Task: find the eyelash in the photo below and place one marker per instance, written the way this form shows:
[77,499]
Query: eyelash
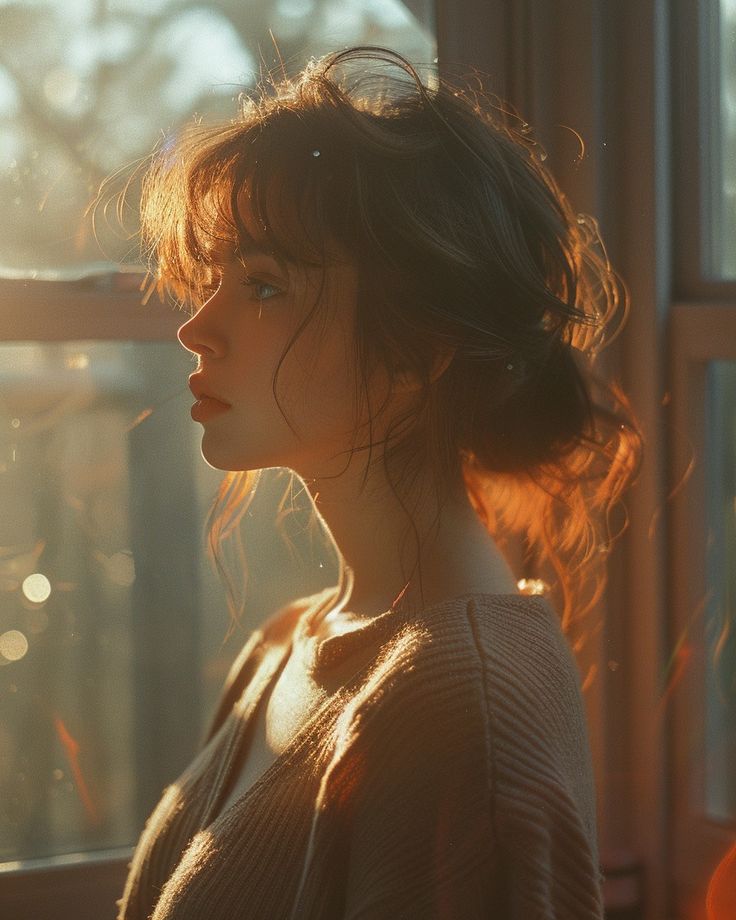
[209,290]
[254,282]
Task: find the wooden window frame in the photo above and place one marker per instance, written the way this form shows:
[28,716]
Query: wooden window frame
[104,307]
[83,886]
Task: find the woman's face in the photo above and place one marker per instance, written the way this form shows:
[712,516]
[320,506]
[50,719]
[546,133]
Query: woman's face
[239,335]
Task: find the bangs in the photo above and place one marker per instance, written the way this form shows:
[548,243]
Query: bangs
[223,190]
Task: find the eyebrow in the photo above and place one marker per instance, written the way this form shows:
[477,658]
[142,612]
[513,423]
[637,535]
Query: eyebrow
[221,255]
[257,251]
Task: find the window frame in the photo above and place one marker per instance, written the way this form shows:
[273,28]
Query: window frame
[99,307]
[49,889]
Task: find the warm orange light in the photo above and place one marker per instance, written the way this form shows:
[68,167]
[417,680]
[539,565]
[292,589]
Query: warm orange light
[677,667]
[141,417]
[71,749]
[589,678]
[720,899]
[532,586]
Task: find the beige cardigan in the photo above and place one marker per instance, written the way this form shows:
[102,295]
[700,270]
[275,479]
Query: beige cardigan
[450,778]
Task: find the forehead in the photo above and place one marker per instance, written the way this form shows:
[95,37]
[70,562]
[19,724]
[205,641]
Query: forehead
[337,267]
[222,249]
[293,234]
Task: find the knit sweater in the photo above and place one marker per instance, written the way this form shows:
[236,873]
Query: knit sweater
[450,777]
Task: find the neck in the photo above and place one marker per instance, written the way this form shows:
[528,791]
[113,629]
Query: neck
[376,539]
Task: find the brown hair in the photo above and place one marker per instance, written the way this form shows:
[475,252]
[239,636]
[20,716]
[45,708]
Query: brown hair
[464,244]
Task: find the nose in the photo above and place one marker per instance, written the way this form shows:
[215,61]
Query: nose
[198,335]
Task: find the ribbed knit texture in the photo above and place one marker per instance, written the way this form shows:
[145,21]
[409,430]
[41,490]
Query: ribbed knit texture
[449,779]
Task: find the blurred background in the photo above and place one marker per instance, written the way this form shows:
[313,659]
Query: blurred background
[113,627]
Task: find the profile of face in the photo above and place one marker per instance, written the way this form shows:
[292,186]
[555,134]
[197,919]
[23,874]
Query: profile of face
[239,335]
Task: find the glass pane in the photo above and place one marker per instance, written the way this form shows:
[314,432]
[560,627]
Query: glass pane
[87,88]
[720,624]
[721,36]
[111,619]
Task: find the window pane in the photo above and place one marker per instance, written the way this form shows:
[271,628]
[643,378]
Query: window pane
[111,619]
[721,632]
[86,88]
[720,97]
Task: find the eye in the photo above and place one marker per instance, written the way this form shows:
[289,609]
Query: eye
[256,285]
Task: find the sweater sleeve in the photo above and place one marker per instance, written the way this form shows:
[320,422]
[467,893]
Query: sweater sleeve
[471,797]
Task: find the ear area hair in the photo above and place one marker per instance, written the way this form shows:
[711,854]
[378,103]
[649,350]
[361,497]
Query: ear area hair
[406,380]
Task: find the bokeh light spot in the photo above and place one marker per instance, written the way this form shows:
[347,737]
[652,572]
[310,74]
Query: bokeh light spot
[121,569]
[61,87]
[532,586]
[13,645]
[37,588]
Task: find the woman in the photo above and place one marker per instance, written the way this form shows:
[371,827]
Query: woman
[393,299]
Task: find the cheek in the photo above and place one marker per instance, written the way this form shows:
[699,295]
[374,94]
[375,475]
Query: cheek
[323,398]
[321,377]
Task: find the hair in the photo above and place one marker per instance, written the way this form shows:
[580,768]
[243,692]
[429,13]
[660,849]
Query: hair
[464,246]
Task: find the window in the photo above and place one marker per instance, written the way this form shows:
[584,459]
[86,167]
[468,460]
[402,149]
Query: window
[84,92]
[111,619]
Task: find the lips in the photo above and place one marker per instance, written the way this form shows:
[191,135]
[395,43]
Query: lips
[201,389]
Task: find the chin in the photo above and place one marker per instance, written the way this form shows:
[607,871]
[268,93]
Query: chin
[219,457]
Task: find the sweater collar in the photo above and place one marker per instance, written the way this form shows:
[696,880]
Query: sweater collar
[323,653]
